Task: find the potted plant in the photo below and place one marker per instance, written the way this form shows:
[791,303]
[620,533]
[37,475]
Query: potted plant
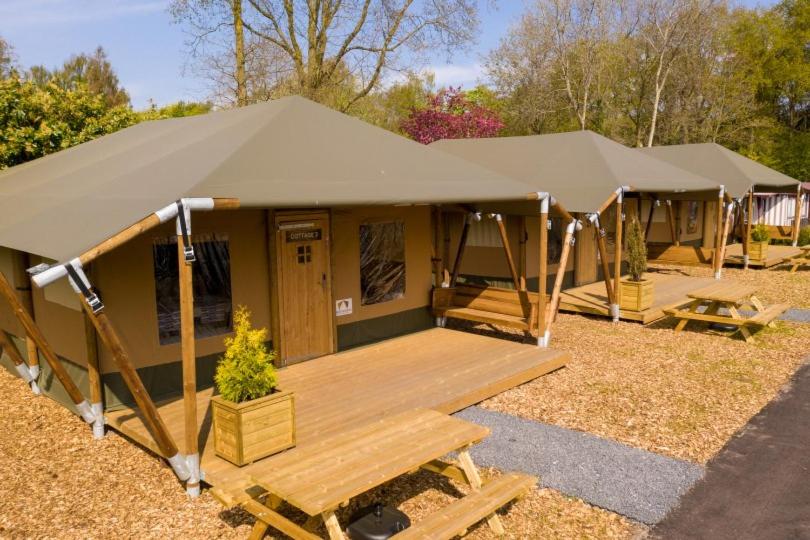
[252,418]
[758,248]
[636,292]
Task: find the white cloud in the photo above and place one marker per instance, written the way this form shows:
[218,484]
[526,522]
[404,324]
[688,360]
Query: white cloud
[467,76]
[26,13]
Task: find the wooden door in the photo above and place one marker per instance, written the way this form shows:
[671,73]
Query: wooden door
[586,263]
[304,285]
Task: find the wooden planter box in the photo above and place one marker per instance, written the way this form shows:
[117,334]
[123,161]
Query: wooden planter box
[636,295]
[758,251]
[246,432]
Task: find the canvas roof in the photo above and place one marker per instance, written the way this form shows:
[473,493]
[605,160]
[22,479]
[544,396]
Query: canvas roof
[286,153]
[736,172]
[581,169]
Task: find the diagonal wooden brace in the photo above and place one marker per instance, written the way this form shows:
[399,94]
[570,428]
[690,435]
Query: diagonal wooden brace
[33,331]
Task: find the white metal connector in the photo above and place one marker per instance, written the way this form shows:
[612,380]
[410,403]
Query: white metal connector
[544,340]
[193,482]
[179,466]
[98,423]
[85,411]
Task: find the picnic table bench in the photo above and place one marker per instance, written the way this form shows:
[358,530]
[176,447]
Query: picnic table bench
[731,297]
[802,259]
[324,476]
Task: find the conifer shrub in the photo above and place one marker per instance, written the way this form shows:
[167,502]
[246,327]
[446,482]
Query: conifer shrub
[760,233]
[636,251]
[246,370]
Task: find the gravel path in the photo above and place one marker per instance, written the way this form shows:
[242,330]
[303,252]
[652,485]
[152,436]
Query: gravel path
[638,484]
[793,314]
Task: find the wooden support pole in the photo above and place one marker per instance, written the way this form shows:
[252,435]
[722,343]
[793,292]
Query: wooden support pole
[10,348]
[446,247]
[508,251]
[567,242]
[462,244]
[185,273]
[542,278]
[94,377]
[718,238]
[22,281]
[601,245]
[747,228]
[33,331]
[797,217]
[438,262]
[724,240]
[149,222]
[617,259]
[522,253]
[650,215]
[671,221]
[150,415]
[678,211]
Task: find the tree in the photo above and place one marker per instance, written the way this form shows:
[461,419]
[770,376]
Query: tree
[451,115]
[313,47]
[6,58]
[557,63]
[36,120]
[92,71]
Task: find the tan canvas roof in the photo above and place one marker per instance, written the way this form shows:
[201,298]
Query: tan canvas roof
[736,172]
[581,168]
[285,153]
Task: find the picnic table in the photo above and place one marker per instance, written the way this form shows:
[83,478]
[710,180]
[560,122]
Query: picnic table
[324,476]
[802,259]
[722,302]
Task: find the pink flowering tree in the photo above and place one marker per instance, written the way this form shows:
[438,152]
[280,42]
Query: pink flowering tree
[450,114]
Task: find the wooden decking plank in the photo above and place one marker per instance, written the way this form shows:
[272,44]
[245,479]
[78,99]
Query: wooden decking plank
[440,369]
[670,291]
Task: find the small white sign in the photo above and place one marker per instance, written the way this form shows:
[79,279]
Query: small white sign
[343,307]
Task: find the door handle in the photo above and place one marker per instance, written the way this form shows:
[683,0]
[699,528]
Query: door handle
[323,280]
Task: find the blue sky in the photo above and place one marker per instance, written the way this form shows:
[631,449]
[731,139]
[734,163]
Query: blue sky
[147,49]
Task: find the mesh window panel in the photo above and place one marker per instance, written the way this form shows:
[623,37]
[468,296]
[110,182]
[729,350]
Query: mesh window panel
[212,287]
[382,262]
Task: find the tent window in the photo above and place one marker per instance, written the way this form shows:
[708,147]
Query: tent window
[382,262]
[212,287]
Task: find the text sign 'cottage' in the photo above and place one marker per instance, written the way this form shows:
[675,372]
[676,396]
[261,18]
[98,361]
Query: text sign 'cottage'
[304,236]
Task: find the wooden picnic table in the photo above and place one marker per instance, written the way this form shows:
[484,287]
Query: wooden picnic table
[322,477]
[802,259]
[731,297]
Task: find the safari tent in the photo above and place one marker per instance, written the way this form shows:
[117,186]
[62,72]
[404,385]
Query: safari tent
[600,182]
[141,244]
[743,178]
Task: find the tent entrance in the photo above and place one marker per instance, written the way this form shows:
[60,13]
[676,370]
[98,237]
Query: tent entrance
[303,326]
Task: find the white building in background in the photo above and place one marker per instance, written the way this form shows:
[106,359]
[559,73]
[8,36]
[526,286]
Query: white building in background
[779,208]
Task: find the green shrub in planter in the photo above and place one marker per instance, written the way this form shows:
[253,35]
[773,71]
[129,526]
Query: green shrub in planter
[246,370]
[636,251]
[760,233]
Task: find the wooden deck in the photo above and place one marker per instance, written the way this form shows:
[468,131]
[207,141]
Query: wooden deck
[671,291]
[777,254]
[440,369]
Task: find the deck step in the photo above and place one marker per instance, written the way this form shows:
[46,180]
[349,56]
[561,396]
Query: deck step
[455,519]
[489,317]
